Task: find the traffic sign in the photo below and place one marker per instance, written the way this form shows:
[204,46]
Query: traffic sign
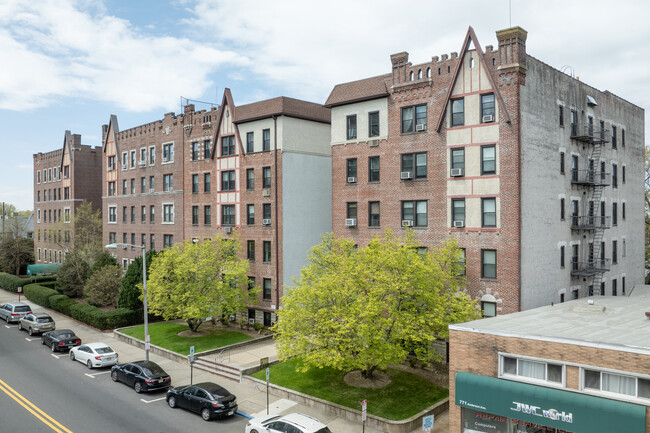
[364,406]
[191,354]
[427,423]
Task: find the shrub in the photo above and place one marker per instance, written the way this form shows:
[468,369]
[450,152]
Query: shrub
[39,294]
[61,303]
[11,282]
[104,320]
[131,291]
[103,287]
[72,275]
[258,326]
[105,259]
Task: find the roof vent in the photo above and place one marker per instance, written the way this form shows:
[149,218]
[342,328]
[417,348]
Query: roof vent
[591,101]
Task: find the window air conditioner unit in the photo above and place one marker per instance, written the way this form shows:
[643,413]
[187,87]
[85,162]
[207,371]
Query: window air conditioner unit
[421,127]
[407,223]
[266,192]
[124,165]
[406,175]
[251,321]
[165,159]
[142,163]
[458,224]
[455,172]
[124,247]
[266,221]
[228,229]
[350,222]
[352,179]
[373,143]
[488,118]
[151,189]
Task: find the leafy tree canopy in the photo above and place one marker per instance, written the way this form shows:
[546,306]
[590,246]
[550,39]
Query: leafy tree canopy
[16,254]
[104,259]
[368,308]
[103,286]
[131,289]
[192,281]
[87,232]
[73,274]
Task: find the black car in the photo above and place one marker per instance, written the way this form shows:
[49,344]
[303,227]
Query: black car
[61,339]
[141,375]
[207,398]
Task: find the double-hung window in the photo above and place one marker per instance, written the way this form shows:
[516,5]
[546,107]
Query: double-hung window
[457,112]
[228,145]
[250,178]
[266,211]
[488,159]
[487,108]
[195,215]
[112,214]
[414,118]
[152,155]
[266,251]
[266,177]
[351,122]
[250,214]
[458,212]
[458,161]
[168,182]
[111,188]
[266,289]
[373,169]
[228,215]
[488,263]
[194,154]
[207,149]
[373,124]
[351,169]
[111,166]
[489,212]
[168,213]
[266,139]
[250,142]
[250,250]
[415,211]
[207,182]
[228,180]
[416,164]
[373,214]
[207,215]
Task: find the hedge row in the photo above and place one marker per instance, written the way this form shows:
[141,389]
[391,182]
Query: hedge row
[85,313]
[11,282]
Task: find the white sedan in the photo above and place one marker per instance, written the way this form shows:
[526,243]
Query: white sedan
[94,355]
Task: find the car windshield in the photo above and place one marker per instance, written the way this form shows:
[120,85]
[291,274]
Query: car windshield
[44,319]
[103,350]
[22,309]
[152,369]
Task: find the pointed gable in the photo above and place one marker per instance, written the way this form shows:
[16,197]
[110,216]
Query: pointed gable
[110,138]
[66,154]
[471,38]
[226,110]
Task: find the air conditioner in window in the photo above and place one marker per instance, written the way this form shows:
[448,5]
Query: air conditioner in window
[455,172]
[421,127]
[407,223]
[406,175]
[373,143]
[488,118]
[352,179]
[251,321]
[151,189]
[266,221]
[458,224]
[124,166]
[228,229]
[165,159]
[142,163]
[124,247]
[266,192]
[350,222]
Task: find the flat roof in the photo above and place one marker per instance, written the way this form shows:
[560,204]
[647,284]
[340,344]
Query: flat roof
[612,322]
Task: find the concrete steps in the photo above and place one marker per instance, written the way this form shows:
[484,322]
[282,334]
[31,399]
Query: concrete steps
[222,370]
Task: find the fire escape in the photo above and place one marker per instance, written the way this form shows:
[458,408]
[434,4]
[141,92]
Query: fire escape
[591,222]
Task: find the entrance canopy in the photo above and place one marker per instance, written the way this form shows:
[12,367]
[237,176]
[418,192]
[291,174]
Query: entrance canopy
[43,269]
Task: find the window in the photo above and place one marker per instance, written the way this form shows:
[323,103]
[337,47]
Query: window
[574,119]
[66,193]
[562,162]
[168,182]
[143,214]
[195,215]
[266,177]
[228,145]
[38,177]
[616,383]
[133,186]
[488,263]
[373,214]
[614,288]
[351,169]
[561,209]
[152,241]
[623,173]
[351,122]
[206,182]
[152,213]
[531,369]
[251,284]
[266,251]
[416,164]
[351,210]
[623,291]
[458,212]
[623,210]
[112,214]
[168,152]
[487,108]
[38,196]
[168,213]
[266,289]
[132,214]
[614,214]
[613,137]
[623,137]
[111,164]
[250,178]
[152,155]
[132,240]
[124,187]
[228,215]
[373,169]
[132,159]
[266,139]
[143,185]
[561,115]
[462,262]
[457,112]
[614,252]
[488,159]
[266,211]
[489,212]
[458,158]
[125,214]
[250,250]
[194,151]
[207,215]
[614,176]
[112,237]
[250,214]
[373,124]
[195,184]
[414,118]
[416,212]
[250,142]
[111,188]
[489,309]
[207,149]
[227,180]
[168,241]
[562,257]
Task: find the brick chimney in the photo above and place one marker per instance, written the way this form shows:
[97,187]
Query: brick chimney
[512,48]
[399,61]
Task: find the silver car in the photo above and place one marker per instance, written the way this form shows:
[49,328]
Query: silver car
[14,311]
[36,323]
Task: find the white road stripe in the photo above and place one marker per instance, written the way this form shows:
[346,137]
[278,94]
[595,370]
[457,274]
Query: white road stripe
[31,339]
[97,374]
[151,401]
[56,356]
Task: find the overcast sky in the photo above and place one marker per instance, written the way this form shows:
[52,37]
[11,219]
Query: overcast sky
[70,64]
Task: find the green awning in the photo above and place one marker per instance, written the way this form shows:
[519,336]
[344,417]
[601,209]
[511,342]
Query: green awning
[43,269]
[556,408]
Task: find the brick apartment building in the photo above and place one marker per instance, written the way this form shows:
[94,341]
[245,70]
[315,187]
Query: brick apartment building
[63,179]
[570,367]
[537,175]
[257,170]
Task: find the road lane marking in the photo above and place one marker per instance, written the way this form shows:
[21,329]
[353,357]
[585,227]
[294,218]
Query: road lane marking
[31,339]
[97,374]
[57,356]
[31,407]
[151,401]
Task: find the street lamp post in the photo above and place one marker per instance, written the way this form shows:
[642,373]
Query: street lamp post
[144,289]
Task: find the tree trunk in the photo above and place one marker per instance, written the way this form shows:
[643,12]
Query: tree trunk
[367,374]
[194,324]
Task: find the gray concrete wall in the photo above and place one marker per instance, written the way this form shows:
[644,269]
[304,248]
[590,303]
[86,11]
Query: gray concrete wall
[542,140]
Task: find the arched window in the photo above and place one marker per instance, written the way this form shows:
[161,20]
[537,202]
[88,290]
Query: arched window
[428,72]
[419,74]
[411,76]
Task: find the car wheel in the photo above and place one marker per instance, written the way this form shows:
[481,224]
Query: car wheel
[114,375]
[31,332]
[205,414]
[53,347]
[172,402]
[137,387]
[253,431]
[89,364]
[20,326]
[72,356]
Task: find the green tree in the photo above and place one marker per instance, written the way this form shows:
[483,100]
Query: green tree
[192,281]
[103,286]
[16,254]
[73,274]
[368,308]
[104,259]
[87,232]
[131,289]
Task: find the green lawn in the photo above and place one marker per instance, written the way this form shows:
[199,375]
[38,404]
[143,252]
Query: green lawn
[164,334]
[406,395]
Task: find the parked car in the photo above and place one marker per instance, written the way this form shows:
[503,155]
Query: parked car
[14,311]
[36,323]
[60,339]
[141,375]
[292,423]
[94,355]
[207,398]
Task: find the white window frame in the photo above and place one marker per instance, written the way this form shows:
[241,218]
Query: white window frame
[125,162]
[527,379]
[143,155]
[132,159]
[152,155]
[611,394]
[171,159]
[114,208]
[66,215]
[164,215]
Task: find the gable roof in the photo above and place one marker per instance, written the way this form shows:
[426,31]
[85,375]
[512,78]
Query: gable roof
[114,129]
[357,91]
[67,142]
[226,101]
[471,36]
[282,106]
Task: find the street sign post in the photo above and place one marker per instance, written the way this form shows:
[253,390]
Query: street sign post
[191,365]
[268,375]
[20,290]
[364,407]
[427,423]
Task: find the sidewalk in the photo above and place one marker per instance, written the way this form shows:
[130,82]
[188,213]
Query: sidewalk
[251,399]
